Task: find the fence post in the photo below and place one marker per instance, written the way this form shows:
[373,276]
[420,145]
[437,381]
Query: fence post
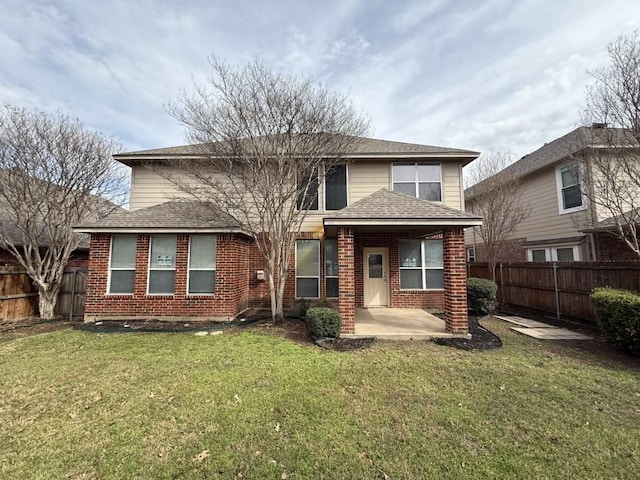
[501,285]
[555,286]
[73,294]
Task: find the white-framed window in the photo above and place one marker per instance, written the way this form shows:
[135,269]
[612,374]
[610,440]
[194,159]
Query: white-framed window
[563,253]
[570,198]
[471,254]
[331,268]
[122,264]
[420,180]
[202,265]
[162,265]
[421,265]
[307,268]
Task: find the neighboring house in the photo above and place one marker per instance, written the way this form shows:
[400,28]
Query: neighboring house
[368,242]
[79,257]
[562,225]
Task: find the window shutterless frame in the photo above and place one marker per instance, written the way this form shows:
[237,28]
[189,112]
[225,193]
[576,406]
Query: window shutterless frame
[202,265]
[331,276]
[310,272]
[162,261]
[571,189]
[118,267]
[406,178]
[425,264]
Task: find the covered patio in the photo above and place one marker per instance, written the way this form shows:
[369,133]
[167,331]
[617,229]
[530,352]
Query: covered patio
[398,253]
[399,324]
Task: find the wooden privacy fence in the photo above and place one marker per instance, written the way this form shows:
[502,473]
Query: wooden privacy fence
[560,288]
[18,297]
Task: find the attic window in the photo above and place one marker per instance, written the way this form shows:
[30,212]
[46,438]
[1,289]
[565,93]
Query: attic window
[420,180]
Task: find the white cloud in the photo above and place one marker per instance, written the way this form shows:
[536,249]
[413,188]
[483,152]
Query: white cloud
[482,75]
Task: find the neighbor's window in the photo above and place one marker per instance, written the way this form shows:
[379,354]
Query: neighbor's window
[421,180]
[569,253]
[202,264]
[335,191]
[421,265]
[471,254]
[162,264]
[538,255]
[122,264]
[331,268]
[308,269]
[308,199]
[569,192]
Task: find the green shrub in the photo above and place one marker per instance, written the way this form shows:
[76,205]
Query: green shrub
[618,314]
[323,322]
[481,295]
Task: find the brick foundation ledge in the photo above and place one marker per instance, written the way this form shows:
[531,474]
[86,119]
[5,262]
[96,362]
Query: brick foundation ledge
[133,318]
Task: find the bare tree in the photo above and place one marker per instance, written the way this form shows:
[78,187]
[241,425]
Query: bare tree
[54,173]
[611,180]
[496,197]
[264,140]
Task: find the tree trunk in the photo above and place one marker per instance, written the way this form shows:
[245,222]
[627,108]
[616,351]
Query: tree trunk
[47,300]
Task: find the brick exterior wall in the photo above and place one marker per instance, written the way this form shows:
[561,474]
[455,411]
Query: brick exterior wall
[231,294]
[346,280]
[430,299]
[455,282]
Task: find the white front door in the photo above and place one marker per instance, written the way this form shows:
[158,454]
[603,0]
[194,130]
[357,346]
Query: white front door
[376,277]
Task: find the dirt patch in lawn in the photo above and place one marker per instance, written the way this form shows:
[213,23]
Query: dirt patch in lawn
[345,344]
[481,338]
[32,326]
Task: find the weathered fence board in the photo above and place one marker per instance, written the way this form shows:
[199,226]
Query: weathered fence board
[562,288]
[19,299]
[72,293]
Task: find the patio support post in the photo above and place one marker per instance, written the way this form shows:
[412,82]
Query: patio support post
[455,282]
[346,280]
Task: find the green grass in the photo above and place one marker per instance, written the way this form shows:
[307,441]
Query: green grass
[84,405]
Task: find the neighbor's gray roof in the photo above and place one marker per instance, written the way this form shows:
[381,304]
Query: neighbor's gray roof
[385,206]
[573,142]
[165,217]
[362,146]
[611,223]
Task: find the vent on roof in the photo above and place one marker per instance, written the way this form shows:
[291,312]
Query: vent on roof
[598,125]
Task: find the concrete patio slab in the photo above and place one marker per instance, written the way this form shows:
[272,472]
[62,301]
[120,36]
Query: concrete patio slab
[398,324]
[523,322]
[551,333]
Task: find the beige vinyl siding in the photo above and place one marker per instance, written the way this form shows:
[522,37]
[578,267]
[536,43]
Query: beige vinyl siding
[451,185]
[540,191]
[149,189]
[365,177]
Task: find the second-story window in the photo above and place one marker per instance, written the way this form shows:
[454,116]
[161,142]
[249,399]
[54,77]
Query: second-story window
[420,180]
[308,200]
[569,190]
[335,191]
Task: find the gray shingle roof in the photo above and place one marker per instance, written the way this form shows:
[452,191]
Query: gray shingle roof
[361,147]
[174,216]
[569,144]
[392,206]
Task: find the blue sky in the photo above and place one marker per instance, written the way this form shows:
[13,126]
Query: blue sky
[483,75]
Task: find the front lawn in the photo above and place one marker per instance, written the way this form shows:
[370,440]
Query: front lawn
[84,405]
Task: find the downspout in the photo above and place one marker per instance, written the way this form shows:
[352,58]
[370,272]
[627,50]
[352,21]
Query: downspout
[592,241]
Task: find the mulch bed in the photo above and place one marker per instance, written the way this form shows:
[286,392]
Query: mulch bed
[481,338]
[345,344]
[33,326]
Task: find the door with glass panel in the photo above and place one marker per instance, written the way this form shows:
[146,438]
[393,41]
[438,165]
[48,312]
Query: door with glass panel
[376,277]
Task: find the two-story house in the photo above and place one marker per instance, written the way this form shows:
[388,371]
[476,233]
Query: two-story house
[386,230]
[563,225]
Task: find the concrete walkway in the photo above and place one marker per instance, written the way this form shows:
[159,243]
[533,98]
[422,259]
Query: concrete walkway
[398,324]
[542,331]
